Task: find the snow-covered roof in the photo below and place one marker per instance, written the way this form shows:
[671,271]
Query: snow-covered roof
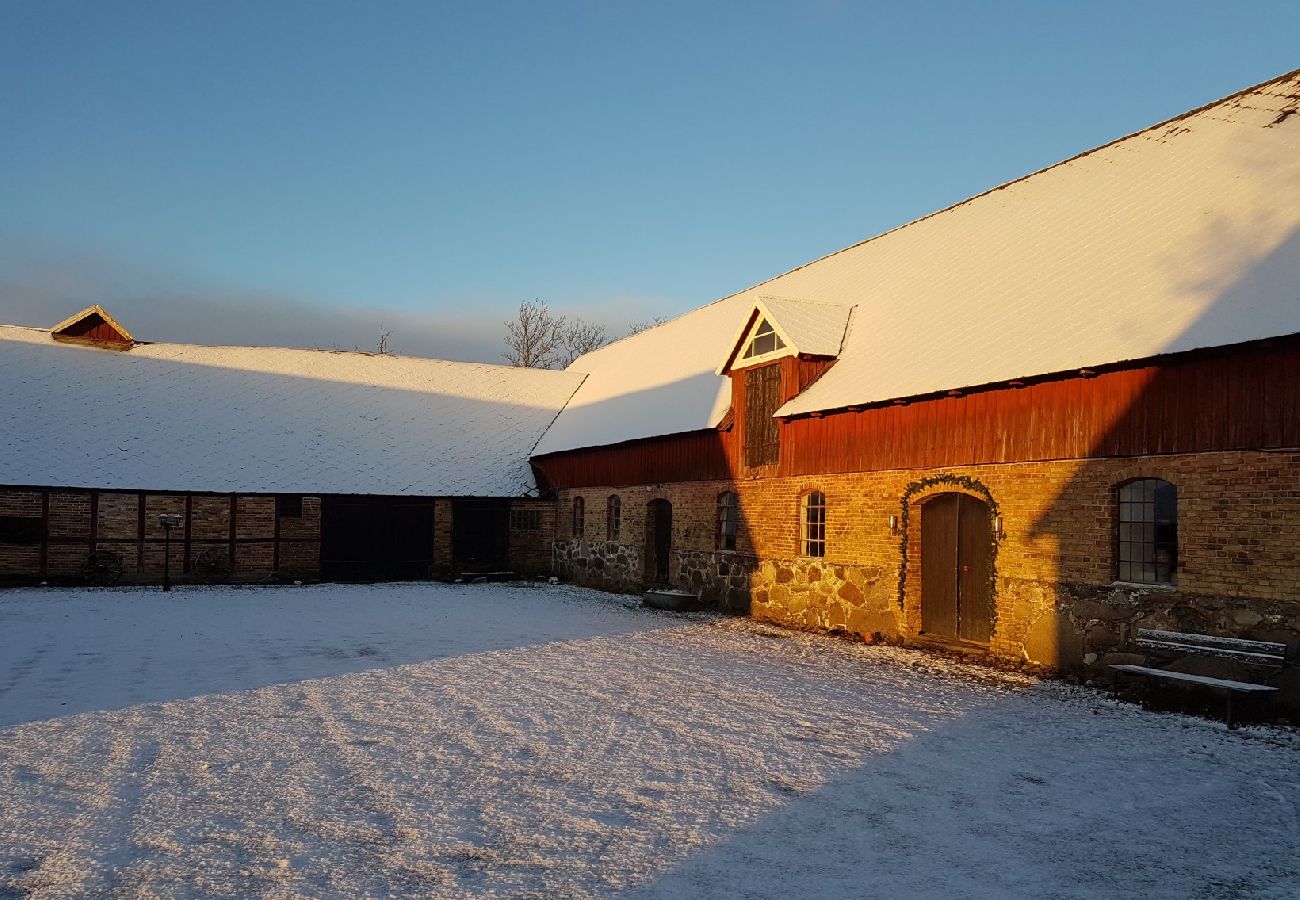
[816,329]
[661,381]
[259,419]
[1184,235]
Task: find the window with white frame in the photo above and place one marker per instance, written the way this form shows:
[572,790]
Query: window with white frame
[813,537]
[764,341]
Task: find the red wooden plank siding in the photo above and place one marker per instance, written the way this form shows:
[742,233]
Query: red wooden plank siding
[1237,398]
[94,328]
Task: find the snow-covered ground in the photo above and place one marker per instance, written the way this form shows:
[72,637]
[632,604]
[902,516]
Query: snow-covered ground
[528,741]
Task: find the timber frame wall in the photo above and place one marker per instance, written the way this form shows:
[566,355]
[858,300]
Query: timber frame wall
[262,539]
[257,542]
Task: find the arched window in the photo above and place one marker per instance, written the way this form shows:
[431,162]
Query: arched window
[813,528]
[579,516]
[1147,548]
[613,517]
[728,515]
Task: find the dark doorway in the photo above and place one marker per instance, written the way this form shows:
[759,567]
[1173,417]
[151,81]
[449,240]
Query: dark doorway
[658,540]
[376,538]
[956,566]
[480,535]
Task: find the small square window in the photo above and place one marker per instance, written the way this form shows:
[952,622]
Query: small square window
[525,520]
[288,506]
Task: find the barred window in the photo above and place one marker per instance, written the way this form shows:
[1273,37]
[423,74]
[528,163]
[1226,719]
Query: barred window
[525,520]
[579,516]
[613,517]
[1147,551]
[814,524]
[728,516]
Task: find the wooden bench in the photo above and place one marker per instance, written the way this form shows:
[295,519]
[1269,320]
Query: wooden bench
[1261,654]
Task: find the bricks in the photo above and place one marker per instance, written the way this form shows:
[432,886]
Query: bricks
[530,550]
[1238,535]
[442,535]
[126,523]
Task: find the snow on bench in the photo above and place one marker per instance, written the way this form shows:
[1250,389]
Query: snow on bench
[1265,654]
[1243,686]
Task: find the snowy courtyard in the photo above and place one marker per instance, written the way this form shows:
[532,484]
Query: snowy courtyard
[516,740]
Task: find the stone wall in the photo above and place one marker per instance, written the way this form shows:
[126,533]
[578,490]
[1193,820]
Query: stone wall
[1057,603]
[609,565]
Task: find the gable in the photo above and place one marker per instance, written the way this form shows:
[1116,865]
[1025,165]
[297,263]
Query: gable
[94,326]
[760,342]
[780,326]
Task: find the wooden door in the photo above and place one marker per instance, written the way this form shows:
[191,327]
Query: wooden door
[974,568]
[480,535]
[956,565]
[939,517]
[366,538]
[659,541]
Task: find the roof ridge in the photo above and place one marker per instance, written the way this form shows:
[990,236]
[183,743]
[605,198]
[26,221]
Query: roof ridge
[332,350]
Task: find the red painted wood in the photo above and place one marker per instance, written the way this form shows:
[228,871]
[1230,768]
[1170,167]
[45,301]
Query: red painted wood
[93,328]
[1236,398]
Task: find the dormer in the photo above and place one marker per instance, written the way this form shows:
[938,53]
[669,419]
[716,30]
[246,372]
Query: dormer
[94,327]
[778,326]
[782,347]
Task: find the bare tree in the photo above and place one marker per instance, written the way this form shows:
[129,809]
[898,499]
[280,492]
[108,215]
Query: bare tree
[579,337]
[381,347]
[534,337]
[638,327]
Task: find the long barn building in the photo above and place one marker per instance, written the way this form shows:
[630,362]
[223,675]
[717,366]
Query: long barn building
[1028,424]
[1032,422]
[282,464]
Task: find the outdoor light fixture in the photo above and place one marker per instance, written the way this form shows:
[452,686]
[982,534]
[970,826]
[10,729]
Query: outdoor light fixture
[893,524]
[168,521]
[998,531]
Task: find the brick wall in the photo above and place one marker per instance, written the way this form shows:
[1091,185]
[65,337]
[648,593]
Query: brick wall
[531,549]
[1056,599]
[260,544]
[442,536]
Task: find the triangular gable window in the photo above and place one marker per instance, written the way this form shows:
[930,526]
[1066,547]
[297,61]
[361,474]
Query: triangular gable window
[764,341]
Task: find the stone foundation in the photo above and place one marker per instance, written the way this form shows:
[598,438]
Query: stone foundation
[1057,605]
[608,565]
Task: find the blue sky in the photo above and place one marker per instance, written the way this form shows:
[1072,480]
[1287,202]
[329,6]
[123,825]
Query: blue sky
[307,173]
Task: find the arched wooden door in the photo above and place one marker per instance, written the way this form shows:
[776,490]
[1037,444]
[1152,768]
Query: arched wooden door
[658,540]
[956,567]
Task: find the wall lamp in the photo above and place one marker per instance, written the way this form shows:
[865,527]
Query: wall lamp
[168,521]
[998,531]
[893,524]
